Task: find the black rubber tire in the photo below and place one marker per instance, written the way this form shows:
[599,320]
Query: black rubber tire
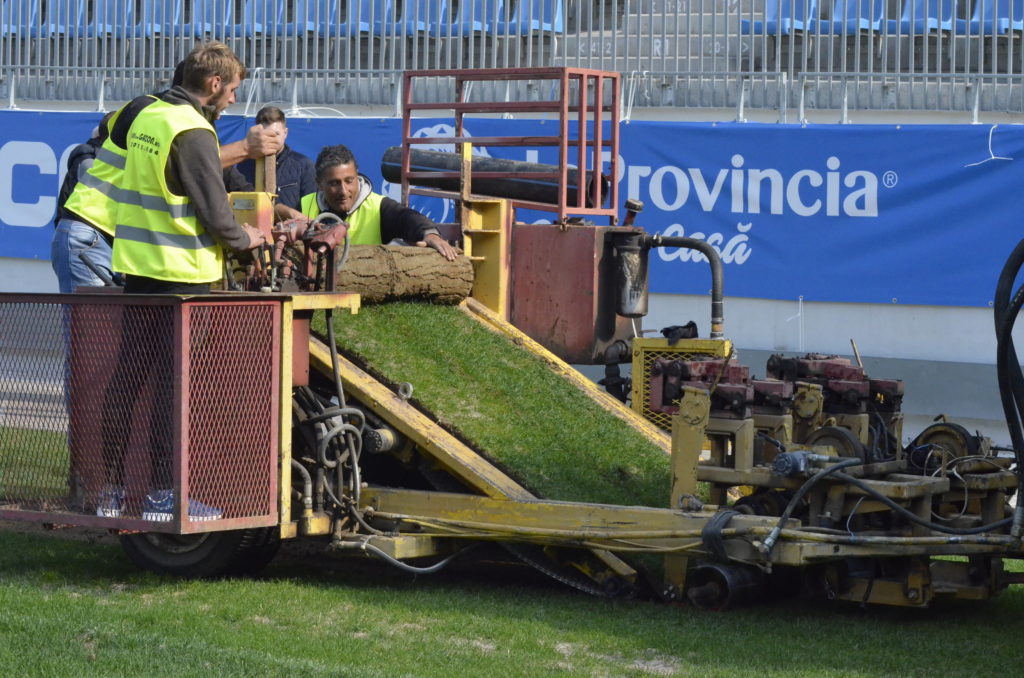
[205,555]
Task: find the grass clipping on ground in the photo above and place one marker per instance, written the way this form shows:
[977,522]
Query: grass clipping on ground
[536,426]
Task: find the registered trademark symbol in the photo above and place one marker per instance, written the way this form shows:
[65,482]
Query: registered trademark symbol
[890,179]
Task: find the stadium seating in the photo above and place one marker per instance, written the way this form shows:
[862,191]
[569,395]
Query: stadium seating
[422,16]
[18,17]
[157,17]
[207,18]
[366,16]
[62,17]
[112,18]
[320,16]
[261,17]
[924,16]
[533,15]
[849,17]
[993,17]
[473,16]
[782,17]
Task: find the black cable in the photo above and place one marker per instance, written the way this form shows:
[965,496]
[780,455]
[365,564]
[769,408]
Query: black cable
[405,566]
[777,443]
[1008,369]
[798,496]
[711,534]
[1011,383]
[913,517]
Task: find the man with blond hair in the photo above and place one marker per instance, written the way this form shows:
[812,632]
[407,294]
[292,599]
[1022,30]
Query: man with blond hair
[176,245]
[173,222]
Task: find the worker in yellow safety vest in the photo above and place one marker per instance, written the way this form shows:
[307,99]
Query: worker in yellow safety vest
[372,218]
[171,213]
[84,236]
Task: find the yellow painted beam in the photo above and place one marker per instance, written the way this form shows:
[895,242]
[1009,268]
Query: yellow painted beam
[475,471]
[541,516]
[611,405]
[284,427]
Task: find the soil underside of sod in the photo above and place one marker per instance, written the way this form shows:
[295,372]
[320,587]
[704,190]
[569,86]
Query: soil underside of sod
[536,426]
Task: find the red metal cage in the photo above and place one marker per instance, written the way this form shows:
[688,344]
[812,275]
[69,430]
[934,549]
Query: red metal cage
[141,413]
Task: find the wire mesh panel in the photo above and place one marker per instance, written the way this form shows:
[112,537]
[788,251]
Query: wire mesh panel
[34,456]
[232,404]
[648,350]
[139,412]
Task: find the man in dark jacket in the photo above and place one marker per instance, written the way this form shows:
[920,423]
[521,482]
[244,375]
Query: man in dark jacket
[76,244]
[295,173]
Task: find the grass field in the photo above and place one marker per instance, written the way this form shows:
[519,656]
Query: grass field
[33,463]
[542,430]
[77,608]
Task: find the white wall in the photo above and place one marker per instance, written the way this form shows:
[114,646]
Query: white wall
[26,275]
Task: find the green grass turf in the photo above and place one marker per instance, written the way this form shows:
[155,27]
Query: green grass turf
[77,608]
[33,463]
[536,426]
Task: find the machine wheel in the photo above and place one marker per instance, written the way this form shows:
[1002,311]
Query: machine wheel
[763,503]
[954,438]
[841,439]
[209,554]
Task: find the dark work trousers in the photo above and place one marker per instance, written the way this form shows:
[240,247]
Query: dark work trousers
[145,365]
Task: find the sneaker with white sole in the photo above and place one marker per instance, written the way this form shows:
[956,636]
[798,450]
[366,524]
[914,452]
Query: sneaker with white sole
[159,507]
[111,503]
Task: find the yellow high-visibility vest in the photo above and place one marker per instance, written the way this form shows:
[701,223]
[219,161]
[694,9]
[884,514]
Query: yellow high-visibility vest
[95,196]
[363,223]
[157,234]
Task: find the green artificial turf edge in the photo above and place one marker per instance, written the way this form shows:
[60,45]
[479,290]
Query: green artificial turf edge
[535,425]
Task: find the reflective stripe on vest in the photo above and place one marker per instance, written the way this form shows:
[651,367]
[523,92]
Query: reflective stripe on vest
[363,224]
[158,235]
[95,196]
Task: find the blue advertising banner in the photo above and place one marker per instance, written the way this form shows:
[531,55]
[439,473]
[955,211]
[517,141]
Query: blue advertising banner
[851,213]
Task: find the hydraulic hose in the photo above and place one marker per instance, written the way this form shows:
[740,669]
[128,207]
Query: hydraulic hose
[307,485]
[1008,370]
[717,276]
[769,542]
[913,517]
[370,548]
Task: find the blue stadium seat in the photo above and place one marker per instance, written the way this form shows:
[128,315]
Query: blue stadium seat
[112,17]
[209,17]
[850,17]
[365,16]
[63,17]
[1015,15]
[261,17]
[533,15]
[18,17]
[422,16]
[993,17]
[782,17]
[924,16]
[313,16]
[158,17]
[473,16]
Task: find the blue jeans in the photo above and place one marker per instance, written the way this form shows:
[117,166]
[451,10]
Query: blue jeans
[73,240]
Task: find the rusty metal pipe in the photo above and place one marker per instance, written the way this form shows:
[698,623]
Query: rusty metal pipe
[717,274]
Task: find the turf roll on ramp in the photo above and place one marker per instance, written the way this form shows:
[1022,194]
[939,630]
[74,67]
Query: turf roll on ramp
[526,419]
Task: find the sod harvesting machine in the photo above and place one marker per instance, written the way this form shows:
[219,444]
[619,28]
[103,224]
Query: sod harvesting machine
[206,430]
